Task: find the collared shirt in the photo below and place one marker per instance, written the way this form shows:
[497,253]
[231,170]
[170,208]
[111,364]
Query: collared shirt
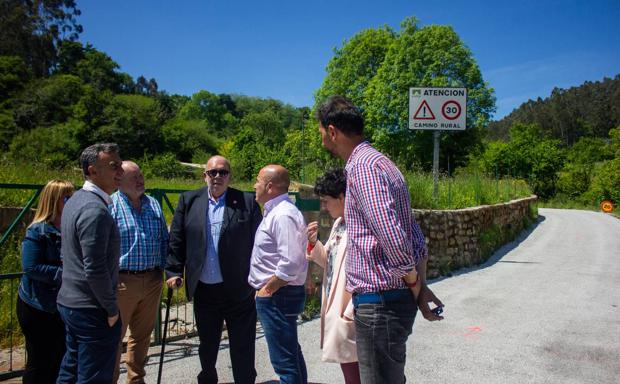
[279,245]
[144,233]
[91,187]
[384,240]
[211,272]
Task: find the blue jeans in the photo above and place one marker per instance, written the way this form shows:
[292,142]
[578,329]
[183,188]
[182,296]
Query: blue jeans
[278,316]
[91,346]
[381,331]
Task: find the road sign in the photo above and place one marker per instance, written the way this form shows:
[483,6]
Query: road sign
[607,206]
[438,108]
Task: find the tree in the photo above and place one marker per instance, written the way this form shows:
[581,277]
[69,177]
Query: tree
[432,56]
[13,76]
[589,110]
[528,155]
[48,101]
[55,146]
[186,138]
[96,68]
[132,122]
[355,64]
[205,105]
[34,29]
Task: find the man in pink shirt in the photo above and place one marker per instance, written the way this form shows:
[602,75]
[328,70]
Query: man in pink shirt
[386,252]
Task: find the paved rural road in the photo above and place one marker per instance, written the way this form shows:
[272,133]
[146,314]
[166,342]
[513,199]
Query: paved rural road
[544,309]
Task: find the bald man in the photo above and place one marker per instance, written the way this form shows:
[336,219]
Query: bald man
[278,272]
[144,245]
[211,239]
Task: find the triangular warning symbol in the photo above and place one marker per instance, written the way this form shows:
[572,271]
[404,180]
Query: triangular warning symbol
[424,112]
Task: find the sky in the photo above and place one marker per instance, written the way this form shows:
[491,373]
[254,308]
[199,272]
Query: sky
[280,48]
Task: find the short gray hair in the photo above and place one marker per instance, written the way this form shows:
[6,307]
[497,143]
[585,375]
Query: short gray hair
[90,155]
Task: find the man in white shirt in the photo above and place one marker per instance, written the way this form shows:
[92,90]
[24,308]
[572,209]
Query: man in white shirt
[278,271]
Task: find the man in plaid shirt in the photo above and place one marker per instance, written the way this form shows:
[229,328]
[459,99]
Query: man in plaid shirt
[144,245]
[386,252]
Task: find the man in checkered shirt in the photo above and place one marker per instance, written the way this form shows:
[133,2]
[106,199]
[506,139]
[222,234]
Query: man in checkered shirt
[386,251]
[144,246]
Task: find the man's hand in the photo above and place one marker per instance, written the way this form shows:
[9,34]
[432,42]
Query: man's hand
[263,292]
[112,320]
[425,297]
[174,282]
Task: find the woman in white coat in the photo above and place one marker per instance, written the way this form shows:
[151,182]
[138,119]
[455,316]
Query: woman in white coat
[337,325]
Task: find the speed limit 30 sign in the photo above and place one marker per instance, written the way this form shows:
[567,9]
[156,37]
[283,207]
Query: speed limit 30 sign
[437,108]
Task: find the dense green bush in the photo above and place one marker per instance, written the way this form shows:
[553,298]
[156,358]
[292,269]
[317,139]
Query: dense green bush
[528,155]
[165,166]
[606,183]
[54,147]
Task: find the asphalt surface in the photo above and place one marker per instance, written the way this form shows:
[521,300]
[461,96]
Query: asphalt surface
[544,309]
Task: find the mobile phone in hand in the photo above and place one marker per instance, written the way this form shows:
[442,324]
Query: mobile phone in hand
[437,311]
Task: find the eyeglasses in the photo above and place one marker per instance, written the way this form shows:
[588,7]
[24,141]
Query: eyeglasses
[217,172]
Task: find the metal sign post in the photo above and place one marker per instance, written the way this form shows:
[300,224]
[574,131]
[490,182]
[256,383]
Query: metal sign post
[437,109]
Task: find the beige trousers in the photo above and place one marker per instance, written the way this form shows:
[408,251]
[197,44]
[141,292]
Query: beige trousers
[138,302]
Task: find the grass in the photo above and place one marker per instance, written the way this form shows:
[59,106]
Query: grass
[565,203]
[463,190]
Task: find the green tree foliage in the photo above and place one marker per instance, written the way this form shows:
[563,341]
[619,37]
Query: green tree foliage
[355,64]
[606,183]
[48,101]
[53,146]
[257,143]
[165,165]
[580,167]
[33,30]
[97,69]
[13,76]
[206,106]
[186,138]
[591,109]
[432,56]
[131,121]
[528,155]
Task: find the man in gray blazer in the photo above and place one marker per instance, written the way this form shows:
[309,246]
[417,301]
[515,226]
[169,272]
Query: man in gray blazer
[90,250]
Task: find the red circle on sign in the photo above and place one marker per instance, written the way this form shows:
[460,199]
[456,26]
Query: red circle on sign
[458,109]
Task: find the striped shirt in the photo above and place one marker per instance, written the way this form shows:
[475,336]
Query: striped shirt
[384,240]
[144,234]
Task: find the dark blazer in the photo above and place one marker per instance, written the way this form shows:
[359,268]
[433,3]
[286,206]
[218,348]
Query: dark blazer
[188,240]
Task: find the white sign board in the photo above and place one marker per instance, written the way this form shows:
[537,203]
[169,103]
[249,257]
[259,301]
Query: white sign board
[437,108]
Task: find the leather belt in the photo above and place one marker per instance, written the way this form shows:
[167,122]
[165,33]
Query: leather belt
[381,297]
[141,272]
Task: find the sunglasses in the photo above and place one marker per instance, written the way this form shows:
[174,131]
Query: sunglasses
[217,172]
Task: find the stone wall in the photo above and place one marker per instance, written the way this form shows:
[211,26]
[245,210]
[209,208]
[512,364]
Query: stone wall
[466,237]
[455,238]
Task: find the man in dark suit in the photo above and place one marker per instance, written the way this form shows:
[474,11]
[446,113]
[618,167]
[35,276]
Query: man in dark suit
[211,238]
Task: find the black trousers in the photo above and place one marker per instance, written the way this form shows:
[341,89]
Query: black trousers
[213,307]
[45,343]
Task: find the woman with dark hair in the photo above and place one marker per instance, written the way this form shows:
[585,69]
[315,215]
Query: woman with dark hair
[337,326]
[36,305]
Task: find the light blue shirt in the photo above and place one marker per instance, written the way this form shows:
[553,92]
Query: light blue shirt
[211,272]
